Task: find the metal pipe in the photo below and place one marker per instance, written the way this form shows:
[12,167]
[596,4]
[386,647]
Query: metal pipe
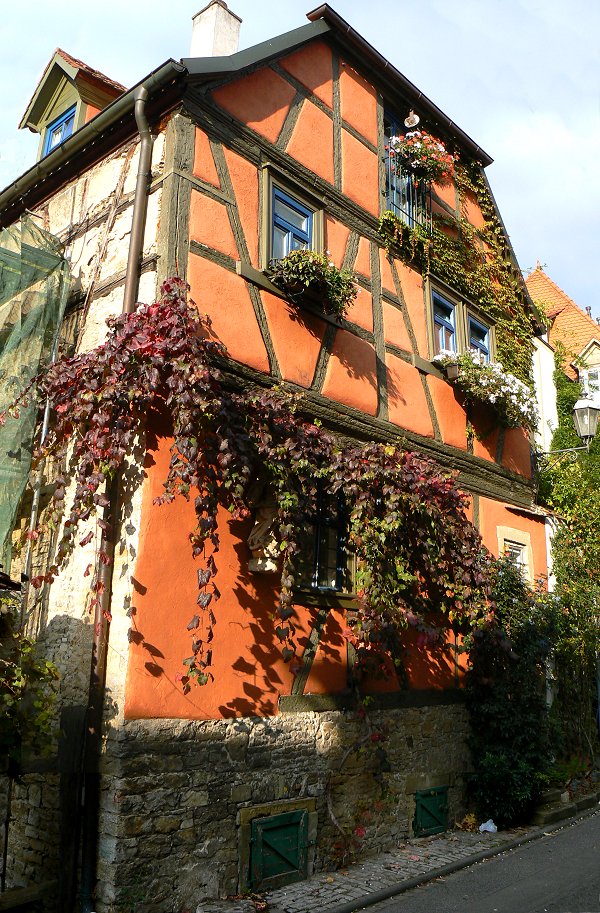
[140,205]
[102,614]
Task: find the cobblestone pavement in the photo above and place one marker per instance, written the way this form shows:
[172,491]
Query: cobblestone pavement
[415,858]
[372,879]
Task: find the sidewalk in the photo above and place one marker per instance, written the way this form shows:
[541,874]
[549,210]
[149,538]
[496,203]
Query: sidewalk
[379,877]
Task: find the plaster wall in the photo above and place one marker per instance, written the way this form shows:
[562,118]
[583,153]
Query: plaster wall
[545,393]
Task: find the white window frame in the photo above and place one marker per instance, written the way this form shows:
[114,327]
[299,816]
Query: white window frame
[508,538]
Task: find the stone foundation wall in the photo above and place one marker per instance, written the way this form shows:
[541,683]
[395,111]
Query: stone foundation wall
[34,831]
[174,790]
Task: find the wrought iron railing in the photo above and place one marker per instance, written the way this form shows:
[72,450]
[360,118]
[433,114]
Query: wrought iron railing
[407,197]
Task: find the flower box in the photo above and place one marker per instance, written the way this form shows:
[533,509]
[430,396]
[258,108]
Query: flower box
[308,277]
[487,382]
[422,155]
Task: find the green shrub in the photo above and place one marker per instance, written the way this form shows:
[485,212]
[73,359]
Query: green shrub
[510,741]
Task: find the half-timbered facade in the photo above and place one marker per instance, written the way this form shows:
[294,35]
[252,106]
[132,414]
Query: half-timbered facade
[281,146]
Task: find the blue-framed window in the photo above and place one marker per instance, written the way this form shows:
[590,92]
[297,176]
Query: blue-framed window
[479,338]
[292,224]
[59,130]
[324,562]
[444,324]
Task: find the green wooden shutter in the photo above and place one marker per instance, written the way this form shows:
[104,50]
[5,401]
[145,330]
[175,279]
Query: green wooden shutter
[278,854]
[431,811]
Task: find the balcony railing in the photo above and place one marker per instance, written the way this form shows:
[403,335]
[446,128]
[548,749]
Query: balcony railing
[407,197]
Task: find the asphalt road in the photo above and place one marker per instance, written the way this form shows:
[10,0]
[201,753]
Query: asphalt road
[559,873]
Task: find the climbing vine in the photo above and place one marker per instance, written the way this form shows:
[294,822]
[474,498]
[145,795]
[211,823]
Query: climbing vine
[475,262]
[27,690]
[417,554]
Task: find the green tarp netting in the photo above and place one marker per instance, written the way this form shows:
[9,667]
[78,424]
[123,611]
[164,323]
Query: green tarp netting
[33,291]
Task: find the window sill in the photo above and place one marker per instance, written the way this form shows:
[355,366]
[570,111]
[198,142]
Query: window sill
[261,279]
[427,367]
[332,599]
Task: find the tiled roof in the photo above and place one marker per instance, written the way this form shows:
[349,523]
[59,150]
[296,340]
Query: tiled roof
[96,74]
[570,325]
[542,288]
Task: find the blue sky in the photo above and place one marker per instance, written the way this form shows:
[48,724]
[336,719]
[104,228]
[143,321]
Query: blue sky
[521,77]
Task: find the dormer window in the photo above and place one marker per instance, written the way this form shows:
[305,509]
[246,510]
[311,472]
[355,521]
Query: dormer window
[591,383]
[59,130]
[69,94]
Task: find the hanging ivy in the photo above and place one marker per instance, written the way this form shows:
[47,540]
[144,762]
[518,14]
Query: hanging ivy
[417,554]
[476,263]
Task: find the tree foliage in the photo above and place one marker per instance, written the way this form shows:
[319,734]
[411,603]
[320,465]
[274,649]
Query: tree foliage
[571,489]
[506,697]
[416,550]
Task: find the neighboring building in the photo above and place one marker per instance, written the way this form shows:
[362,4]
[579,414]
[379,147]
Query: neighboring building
[284,144]
[545,391]
[573,328]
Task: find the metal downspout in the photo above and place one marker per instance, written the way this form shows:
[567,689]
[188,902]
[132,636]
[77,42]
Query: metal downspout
[140,205]
[93,733]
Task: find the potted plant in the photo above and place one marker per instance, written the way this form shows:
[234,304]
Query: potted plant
[488,382]
[305,275]
[423,155]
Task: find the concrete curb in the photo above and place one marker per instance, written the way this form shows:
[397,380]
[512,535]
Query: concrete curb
[402,886]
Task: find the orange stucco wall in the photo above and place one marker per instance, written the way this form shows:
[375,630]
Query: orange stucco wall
[316,156]
[204,165]
[260,100]
[312,66]
[90,111]
[224,297]
[249,673]
[492,515]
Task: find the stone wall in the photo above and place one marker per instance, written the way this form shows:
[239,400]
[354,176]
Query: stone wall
[174,790]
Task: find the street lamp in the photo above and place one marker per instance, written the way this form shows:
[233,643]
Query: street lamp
[585,418]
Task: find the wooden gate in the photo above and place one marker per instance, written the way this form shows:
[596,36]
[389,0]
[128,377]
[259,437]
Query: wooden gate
[431,811]
[278,853]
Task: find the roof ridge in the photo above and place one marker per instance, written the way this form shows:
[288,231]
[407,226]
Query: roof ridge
[82,65]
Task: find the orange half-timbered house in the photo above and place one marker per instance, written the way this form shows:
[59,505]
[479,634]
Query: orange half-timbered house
[287,143]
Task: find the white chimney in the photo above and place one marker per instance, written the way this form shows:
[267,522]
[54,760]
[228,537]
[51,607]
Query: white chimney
[215,31]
